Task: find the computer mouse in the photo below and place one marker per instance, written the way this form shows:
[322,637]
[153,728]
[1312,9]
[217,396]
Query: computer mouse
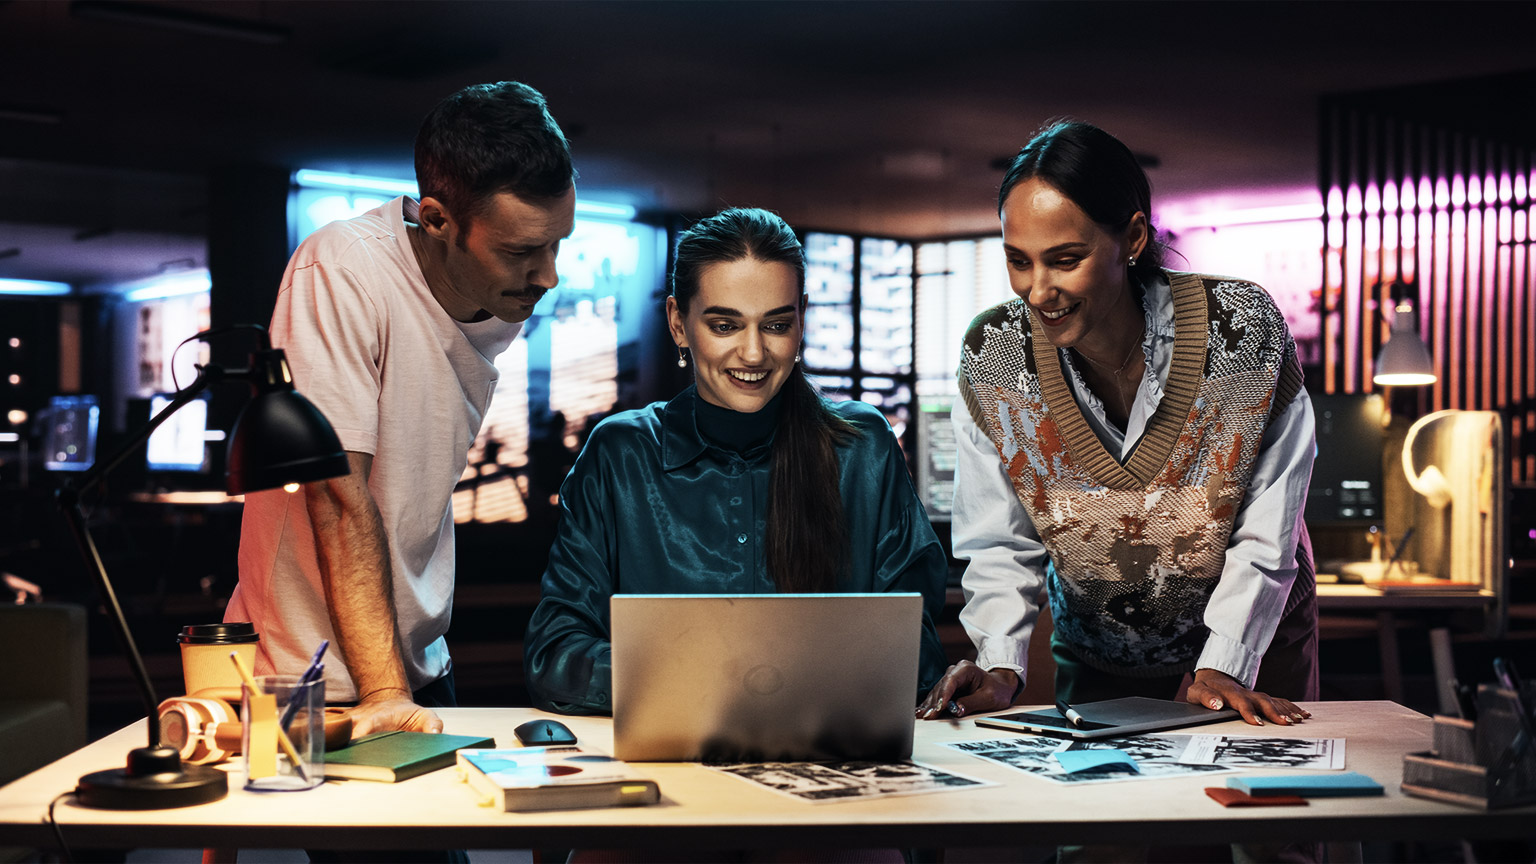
[543,733]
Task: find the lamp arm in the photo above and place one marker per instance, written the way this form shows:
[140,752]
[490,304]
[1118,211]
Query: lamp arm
[69,502]
[207,376]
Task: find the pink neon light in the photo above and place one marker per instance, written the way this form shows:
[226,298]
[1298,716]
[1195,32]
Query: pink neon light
[1389,197]
[1519,187]
[1458,191]
[1372,199]
[1505,192]
[1335,233]
[1352,201]
[1505,233]
[1409,197]
[1519,226]
[1457,295]
[1502,389]
[1353,299]
[1335,202]
[1426,197]
[1442,269]
[1474,190]
[1373,230]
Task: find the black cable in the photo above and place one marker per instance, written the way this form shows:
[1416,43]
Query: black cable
[203,336]
[58,833]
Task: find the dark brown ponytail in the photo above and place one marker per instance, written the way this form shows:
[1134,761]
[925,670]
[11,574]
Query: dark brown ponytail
[807,535]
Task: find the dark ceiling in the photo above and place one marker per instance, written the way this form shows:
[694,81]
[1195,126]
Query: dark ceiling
[864,116]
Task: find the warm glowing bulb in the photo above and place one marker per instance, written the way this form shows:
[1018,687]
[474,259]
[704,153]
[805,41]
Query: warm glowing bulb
[16,416]
[290,487]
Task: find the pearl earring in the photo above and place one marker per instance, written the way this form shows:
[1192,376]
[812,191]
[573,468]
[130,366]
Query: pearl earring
[682,359]
[1131,261]
[797,356]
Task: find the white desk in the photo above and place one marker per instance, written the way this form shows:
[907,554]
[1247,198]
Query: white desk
[704,809]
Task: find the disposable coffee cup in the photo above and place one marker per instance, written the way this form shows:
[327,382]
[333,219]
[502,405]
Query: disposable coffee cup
[205,655]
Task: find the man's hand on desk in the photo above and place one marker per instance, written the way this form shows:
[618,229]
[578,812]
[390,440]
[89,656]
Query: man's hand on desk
[1217,690]
[388,712]
[969,689]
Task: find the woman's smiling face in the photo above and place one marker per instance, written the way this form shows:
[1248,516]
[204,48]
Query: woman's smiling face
[743,330]
[1068,268]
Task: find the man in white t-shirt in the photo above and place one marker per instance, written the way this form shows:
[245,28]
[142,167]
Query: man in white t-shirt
[391,322]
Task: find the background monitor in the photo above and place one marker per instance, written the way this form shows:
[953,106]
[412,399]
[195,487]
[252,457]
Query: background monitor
[180,444]
[69,434]
[1346,478]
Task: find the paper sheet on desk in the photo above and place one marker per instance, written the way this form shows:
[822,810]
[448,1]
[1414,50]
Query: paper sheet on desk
[1257,751]
[823,782]
[1156,757]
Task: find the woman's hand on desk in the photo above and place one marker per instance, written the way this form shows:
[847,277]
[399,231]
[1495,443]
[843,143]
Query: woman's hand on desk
[1217,690]
[388,713]
[969,689]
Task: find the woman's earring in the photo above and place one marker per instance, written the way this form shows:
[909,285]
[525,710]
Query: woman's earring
[682,359]
[1131,261]
[797,356]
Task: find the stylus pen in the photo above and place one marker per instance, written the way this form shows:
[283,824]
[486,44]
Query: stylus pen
[1070,713]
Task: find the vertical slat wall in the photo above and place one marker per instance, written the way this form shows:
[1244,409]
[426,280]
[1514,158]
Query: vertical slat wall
[1451,213]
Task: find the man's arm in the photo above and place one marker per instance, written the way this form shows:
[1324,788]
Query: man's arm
[354,566]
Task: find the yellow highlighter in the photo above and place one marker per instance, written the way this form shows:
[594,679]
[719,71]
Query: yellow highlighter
[282,737]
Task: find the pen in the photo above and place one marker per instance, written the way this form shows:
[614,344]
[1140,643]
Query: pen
[1504,670]
[1397,551]
[1070,713]
[310,674]
[282,737]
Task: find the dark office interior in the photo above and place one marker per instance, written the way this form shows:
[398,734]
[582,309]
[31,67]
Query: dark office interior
[1334,152]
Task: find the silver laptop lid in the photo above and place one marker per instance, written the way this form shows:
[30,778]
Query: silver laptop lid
[764,677]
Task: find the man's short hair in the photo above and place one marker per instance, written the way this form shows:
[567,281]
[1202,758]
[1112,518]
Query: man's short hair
[487,139]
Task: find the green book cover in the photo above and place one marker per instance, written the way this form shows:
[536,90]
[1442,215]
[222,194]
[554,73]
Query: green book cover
[399,755]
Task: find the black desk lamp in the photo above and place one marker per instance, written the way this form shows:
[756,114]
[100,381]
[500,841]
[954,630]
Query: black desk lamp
[280,438]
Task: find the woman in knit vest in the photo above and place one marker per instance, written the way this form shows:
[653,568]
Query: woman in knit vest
[1135,441]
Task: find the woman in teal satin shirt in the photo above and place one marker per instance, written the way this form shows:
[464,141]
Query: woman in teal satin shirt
[748,482]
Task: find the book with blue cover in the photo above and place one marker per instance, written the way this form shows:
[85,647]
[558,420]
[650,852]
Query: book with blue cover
[1349,783]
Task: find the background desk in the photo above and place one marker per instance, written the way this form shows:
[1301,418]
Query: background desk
[1386,607]
[704,809]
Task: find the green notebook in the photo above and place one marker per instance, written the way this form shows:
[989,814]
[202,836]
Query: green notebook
[395,756]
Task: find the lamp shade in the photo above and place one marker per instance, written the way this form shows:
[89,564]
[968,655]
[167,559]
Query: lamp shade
[1404,361]
[282,438]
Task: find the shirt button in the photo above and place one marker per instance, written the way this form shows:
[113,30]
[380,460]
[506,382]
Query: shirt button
[736,500]
[741,538]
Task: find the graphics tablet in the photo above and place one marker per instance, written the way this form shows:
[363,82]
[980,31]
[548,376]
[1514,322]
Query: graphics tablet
[1114,718]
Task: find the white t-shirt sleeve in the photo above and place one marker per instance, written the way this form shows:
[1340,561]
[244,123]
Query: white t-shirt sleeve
[333,333]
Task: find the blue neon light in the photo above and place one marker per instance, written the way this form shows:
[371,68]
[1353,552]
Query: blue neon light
[171,286]
[34,287]
[361,183]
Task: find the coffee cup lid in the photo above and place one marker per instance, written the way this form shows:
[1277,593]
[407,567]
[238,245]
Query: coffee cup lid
[228,633]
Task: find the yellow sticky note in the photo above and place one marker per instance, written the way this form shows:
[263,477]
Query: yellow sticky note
[261,754]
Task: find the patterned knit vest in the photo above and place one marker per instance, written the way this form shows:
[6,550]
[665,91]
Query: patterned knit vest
[1136,549]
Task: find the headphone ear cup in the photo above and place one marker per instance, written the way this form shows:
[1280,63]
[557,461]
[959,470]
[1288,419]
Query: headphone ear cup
[191,725]
[1433,486]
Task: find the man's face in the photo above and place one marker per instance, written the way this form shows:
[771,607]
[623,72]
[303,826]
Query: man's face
[504,262]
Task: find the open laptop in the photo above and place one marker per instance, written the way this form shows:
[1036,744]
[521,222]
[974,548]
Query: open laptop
[764,677]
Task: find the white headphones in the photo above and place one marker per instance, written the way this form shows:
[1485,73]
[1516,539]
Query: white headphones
[204,731]
[1430,483]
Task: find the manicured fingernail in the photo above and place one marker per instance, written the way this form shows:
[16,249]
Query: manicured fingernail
[1215,703]
[1285,721]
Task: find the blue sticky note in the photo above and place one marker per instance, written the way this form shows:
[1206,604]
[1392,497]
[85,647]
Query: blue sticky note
[1108,759]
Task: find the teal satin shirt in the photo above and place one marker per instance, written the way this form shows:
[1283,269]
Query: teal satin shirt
[651,507]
